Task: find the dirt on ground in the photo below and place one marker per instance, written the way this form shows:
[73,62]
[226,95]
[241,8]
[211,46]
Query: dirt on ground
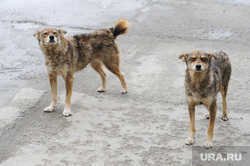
[146,126]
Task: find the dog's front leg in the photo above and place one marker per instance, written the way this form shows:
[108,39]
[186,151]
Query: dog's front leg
[53,85]
[210,132]
[69,87]
[191,110]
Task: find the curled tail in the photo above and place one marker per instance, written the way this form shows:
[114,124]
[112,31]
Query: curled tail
[121,27]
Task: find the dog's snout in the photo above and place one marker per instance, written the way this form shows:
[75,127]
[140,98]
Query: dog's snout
[51,37]
[198,66]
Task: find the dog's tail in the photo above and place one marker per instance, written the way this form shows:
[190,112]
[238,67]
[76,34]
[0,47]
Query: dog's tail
[121,27]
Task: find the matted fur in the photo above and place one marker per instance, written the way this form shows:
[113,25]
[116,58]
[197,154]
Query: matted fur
[67,56]
[206,75]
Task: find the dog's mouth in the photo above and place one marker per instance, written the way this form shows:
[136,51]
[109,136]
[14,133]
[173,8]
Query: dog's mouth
[51,42]
[198,70]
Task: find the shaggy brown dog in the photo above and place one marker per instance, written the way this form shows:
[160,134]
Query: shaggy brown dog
[67,56]
[204,79]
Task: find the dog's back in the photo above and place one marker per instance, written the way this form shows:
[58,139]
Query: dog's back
[100,44]
[224,65]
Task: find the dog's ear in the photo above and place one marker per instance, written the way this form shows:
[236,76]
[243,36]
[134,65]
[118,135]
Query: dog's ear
[36,35]
[61,31]
[212,56]
[183,57]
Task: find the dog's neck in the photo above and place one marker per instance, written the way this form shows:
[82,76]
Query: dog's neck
[197,78]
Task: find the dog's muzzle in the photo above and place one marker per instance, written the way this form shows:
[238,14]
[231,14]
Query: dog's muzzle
[51,39]
[198,67]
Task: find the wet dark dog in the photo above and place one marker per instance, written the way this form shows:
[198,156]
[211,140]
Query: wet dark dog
[67,56]
[206,75]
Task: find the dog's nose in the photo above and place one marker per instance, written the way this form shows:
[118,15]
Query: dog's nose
[51,37]
[198,67]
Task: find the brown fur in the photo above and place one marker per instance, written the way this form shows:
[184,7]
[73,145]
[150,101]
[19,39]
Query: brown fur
[205,77]
[67,56]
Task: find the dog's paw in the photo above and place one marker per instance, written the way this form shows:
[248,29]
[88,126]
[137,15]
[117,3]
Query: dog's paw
[224,118]
[208,144]
[49,109]
[124,91]
[101,89]
[189,141]
[66,112]
[207,116]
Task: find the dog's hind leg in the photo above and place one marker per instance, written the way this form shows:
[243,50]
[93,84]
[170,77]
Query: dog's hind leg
[224,87]
[69,88]
[190,139]
[224,102]
[53,85]
[210,132]
[114,68]
[97,66]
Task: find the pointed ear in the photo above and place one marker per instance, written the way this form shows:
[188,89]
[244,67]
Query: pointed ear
[183,57]
[36,35]
[61,31]
[212,56]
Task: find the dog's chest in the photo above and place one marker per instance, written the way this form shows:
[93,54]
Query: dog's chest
[198,95]
[56,65]
[195,97]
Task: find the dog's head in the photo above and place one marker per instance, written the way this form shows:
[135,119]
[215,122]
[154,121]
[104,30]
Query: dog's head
[198,60]
[50,36]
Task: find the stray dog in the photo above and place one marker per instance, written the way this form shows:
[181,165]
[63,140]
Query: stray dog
[206,75]
[67,56]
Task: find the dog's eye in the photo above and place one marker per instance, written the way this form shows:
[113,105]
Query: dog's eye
[192,59]
[54,33]
[45,33]
[203,60]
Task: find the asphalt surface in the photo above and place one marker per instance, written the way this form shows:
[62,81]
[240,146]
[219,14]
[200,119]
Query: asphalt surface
[147,126]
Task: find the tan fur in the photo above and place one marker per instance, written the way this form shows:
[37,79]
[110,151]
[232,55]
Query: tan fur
[204,79]
[67,56]
[122,26]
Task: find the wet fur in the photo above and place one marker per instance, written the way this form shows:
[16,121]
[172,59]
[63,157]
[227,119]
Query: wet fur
[67,56]
[202,87]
